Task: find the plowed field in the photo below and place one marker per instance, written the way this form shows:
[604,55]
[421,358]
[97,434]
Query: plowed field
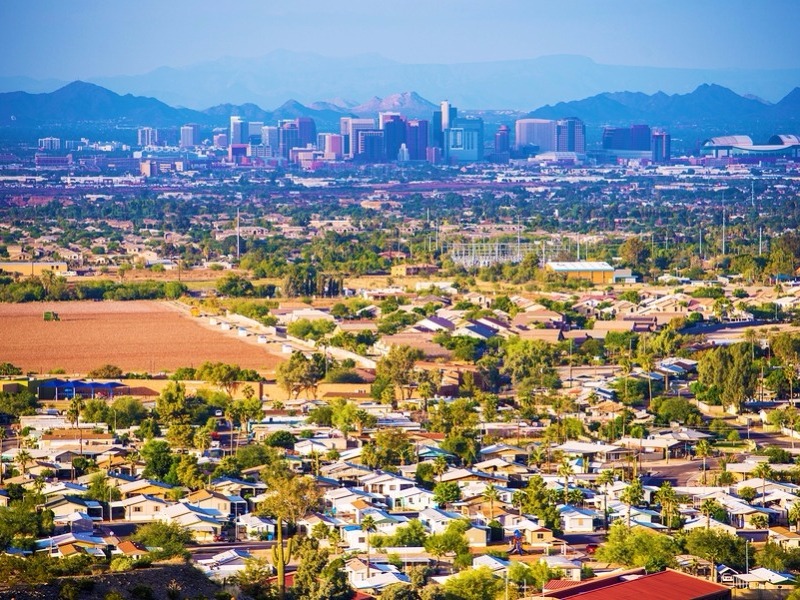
[135,336]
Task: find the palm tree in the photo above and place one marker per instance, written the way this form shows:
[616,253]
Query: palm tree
[633,495]
[439,467]
[648,364]
[76,406]
[2,437]
[709,507]
[565,470]
[537,457]
[491,494]
[792,417]
[764,472]
[703,450]
[368,525]
[668,500]
[605,479]
[794,514]
[23,459]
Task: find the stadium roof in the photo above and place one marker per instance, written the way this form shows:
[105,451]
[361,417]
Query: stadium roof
[729,140]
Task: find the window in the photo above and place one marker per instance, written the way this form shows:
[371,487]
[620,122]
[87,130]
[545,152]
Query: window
[137,509]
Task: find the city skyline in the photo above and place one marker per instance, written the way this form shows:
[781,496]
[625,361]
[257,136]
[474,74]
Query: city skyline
[95,39]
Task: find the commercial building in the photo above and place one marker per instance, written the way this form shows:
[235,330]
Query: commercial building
[539,133]
[442,119]
[349,128]
[596,272]
[190,136]
[571,136]
[417,139]
[238,131]
[394,133]
[50,143]
[501,140]
[464,140]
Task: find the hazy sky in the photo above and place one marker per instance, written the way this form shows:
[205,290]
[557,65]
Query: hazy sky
[89,38]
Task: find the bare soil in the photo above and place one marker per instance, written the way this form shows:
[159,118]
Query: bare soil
[136,336]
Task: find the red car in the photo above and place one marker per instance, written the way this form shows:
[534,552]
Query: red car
[591,548]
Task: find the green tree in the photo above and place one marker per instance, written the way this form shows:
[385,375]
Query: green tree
[290,497]
[397,367]
[474,584]
[171,538]
[157,456]
[445,493]
[709,507]
[717,547]
[638,547]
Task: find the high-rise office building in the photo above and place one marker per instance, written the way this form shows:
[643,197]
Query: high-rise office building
[220,140]
[371,146]
[441,121]
[238,131]
[307,131]
[332,145]
[417,139]
[254,132]
[288,138]
[571,135]
[270,137]
[349,128]
[501,140]
[535,132]
[660,146]
[635,138]
[464,140]
[190,135]
[394,134]
[147,136]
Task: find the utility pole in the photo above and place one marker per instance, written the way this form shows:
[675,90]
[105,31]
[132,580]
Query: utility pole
[238,236]
[723,222]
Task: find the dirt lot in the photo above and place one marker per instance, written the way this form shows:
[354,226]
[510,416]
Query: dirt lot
[136,336]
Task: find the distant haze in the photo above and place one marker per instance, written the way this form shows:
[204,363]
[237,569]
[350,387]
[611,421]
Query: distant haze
[91,38]
[478,54]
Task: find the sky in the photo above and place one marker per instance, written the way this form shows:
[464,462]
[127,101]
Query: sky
[91,38]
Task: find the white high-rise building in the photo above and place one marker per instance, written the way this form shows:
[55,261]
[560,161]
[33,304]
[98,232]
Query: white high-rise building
[535,132]
[350,127]
[238,131]
[270,137]
[190,136]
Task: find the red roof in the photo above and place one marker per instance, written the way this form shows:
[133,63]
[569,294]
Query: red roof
[560,584]
[666,585]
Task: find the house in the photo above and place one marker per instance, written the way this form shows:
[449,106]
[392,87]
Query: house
[785,536]
[62,506]
[203,524]
[252,527]
[575,519]
[634,583]
[131,549]
[227,506]
[498,566]
[762,578]
[504,451]
[571,568]
[141,507]
[225,564]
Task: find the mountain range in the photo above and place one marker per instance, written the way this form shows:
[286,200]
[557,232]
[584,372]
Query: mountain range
[512,84]
[707,108]
[709,104]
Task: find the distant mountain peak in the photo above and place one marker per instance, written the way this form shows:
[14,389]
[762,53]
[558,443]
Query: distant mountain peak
[408,103]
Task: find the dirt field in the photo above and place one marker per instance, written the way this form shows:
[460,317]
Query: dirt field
[136,336]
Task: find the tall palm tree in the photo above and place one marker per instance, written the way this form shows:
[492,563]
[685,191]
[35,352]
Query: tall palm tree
[605,479]
[439,467]
[367,526]
[709,507]
[764,472]
[76,406]
[794,514]
[668,500]
[703,450]
[633,495]
[647,363]
[491,494]
[2,438]
[792,417]
[23,459]
[565,470]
